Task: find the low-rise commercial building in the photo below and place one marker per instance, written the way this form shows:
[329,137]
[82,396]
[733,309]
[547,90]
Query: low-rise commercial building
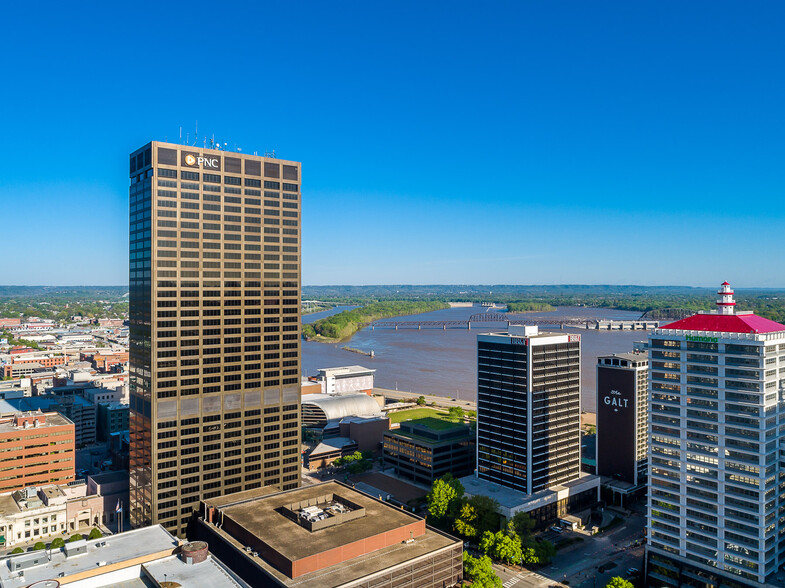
[349,379]
[426,449]
[141,558]
[327,535]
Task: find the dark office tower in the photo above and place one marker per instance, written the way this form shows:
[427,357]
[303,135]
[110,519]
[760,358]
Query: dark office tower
[528,408]
[215,328]
[622,418]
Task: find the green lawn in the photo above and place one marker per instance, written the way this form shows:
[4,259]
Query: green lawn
[432,418]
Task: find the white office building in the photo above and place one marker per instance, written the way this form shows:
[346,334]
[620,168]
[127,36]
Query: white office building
[717,459]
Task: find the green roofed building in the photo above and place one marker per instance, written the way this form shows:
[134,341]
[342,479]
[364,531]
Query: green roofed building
[426,449]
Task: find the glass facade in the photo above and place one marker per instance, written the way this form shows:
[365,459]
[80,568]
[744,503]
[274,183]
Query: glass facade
[214,329]
[528,410]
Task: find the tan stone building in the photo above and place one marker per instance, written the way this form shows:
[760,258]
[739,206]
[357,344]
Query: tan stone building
[214,328]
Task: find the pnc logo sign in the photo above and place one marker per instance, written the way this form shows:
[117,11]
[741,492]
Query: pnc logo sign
[206,162]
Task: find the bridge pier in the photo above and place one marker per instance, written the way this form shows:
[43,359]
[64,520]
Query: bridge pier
[396,327]
[444,327]
[419,327]
[469,325]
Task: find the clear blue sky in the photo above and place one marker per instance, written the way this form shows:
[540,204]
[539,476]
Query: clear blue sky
[451,142]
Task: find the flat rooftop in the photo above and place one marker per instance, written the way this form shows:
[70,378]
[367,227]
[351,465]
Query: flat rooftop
[294,541]
[53,419]
[349,370]
[631,356]
[260,520]
[153,547]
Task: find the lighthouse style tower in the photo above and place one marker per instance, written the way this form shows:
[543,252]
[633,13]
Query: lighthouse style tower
[726,303]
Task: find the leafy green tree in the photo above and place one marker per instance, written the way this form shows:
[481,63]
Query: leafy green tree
[502,546]
[480,572]
[466,522]
[529,556]
[445,496]
[95,533]
[75,537]
[420,400]
[618,582]
[16,550]
[545,551]
[455,414]
[487,513]
[524,525]
[39,546]
[57,543]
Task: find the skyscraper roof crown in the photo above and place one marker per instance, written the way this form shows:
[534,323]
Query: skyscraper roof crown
[725,319]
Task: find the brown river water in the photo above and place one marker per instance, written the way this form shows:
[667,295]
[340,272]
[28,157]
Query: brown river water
[435,361]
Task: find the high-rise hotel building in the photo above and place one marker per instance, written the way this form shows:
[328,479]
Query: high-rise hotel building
[214,328]
[716,513]
[528,408]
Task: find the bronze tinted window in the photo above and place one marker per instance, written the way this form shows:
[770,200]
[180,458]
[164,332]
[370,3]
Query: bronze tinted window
[253,168]
[232,165]
[272,170]
[290,172]
[167,156]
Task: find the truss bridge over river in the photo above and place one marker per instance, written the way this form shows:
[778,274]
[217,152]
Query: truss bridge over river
[486,318]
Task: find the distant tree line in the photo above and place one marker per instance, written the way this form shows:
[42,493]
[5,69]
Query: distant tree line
[346,323]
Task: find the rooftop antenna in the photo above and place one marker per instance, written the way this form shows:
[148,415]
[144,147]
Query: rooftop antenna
[187,138]
[196,133]
[181,135]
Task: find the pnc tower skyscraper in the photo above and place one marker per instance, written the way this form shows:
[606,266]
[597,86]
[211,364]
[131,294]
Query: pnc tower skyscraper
[214,328]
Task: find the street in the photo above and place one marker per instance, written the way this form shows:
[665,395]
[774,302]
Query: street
[577,565]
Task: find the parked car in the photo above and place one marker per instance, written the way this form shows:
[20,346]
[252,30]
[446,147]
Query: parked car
[557,529]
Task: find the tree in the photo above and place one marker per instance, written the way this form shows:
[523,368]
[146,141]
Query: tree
[618,582]
[487,515]
[95,533]
[480,572]
[445,496]
[529,556]
[524,525]
[16,550]
[39,546]
[420,400]
[455,414]
[545,551]
[75,537]
[502,546]
[57,543]
[466,522]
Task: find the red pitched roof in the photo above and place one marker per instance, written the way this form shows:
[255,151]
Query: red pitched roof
[726,323]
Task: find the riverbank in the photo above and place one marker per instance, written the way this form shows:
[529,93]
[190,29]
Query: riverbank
[342,326]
